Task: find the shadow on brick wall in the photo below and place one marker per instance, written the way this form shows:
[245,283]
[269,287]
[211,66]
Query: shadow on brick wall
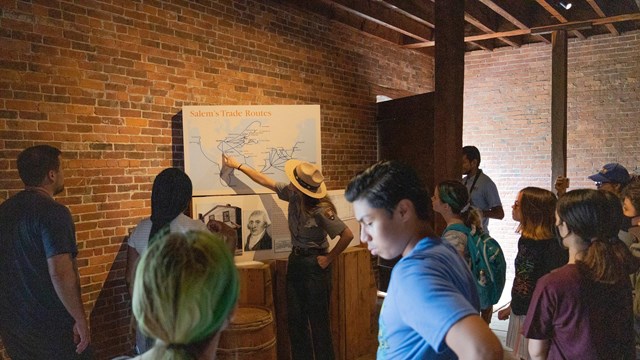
[177,141]
[111,330]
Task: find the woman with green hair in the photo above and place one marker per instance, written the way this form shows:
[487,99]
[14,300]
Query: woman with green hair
[185,290]
[451,200]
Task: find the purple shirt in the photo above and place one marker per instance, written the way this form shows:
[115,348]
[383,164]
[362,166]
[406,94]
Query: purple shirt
[583,319]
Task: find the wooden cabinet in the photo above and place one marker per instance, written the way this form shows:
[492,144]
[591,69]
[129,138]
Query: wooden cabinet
[354,312]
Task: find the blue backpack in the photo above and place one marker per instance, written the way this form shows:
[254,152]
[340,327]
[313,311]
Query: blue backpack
[488,266]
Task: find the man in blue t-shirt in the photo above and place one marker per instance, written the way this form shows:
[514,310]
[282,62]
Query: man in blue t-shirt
[431,308]
[40,303]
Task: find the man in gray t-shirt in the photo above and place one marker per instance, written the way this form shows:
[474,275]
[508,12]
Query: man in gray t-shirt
[482,190]
[484,196]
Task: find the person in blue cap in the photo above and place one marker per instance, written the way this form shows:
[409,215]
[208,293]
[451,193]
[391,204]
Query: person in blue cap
[612,177]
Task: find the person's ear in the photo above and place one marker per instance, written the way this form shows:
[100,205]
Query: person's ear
[404,208]
[51,177]
[563,230]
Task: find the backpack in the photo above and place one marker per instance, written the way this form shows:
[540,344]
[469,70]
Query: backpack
[488,266]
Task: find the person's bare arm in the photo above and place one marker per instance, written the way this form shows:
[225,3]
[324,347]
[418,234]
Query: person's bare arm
[494,213]
[345,239]
[538,349]
[132,262]
[471,338]
[254,175]
[561,185]
[66,282]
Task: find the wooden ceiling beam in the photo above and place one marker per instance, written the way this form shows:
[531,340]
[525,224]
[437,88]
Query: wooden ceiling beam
[483,44]
[495,35]
[419,33]
[476,18]
[473,21]
[551,10]
[594,5]
[404,8]
[586,24]
[509,17]
[542,29]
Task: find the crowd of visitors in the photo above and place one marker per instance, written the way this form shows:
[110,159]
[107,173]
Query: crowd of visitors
[576,266]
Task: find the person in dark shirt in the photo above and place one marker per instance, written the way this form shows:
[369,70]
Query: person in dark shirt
[584,309]
[538,253]
[40,303]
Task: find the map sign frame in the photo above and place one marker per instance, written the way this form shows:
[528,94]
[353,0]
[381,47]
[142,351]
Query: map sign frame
[263,137]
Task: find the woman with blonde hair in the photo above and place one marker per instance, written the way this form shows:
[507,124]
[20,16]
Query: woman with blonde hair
[184,293]
[538,253]
[584,309]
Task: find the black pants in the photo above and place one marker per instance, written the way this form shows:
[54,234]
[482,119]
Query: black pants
[308,297]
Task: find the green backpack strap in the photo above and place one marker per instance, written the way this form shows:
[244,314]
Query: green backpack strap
[459,227]
[471,238]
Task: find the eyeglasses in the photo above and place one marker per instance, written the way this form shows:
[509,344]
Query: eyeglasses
[598,184]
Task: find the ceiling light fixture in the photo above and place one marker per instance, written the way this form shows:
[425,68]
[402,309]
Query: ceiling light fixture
[565,4]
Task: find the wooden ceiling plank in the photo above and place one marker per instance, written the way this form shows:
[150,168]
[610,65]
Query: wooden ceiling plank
[594,22]
[498,35]
[374,20]
[483,44]
[551,10]
[480,25]
[475,38]
[420,45]
[506,15]
[477,23]
[594,5]
[540,29]
[617,18]
[396,7]
[569,26]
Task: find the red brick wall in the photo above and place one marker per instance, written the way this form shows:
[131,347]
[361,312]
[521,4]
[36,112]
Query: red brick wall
[104,80]
[507,115]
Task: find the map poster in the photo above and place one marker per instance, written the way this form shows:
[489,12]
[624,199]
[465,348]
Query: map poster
[263,137]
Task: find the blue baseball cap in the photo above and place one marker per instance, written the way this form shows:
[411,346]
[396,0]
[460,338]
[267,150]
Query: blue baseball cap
[612,173]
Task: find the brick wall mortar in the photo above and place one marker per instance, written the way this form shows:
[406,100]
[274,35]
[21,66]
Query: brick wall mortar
[103,79]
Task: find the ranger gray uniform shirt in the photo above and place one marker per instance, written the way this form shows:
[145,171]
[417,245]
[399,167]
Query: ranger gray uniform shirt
[309,231]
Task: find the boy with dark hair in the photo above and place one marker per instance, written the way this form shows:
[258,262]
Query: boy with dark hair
[431,308]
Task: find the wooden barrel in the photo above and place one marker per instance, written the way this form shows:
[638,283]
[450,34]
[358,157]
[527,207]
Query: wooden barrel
[250,335]
[255,284]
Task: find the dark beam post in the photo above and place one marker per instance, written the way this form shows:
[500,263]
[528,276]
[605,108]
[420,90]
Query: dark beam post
[558,105]
[449,84]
